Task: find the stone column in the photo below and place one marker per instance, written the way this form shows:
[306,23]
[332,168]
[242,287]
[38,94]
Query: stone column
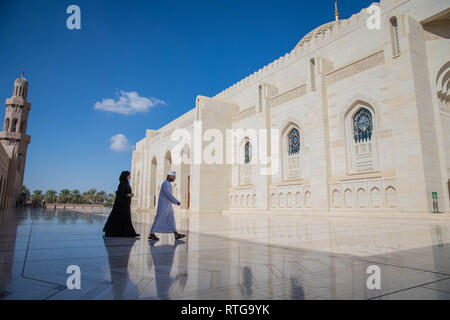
[411,108]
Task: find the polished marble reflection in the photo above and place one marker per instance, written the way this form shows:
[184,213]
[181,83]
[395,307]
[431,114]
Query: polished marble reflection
[308,256]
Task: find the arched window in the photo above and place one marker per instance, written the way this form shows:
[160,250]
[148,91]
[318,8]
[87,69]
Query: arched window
[246,167]
[6,128]
[14,125]
[248,152]
[291,159]
[362,126]
[153,186]
[361,138]
[294,142]
[443,87]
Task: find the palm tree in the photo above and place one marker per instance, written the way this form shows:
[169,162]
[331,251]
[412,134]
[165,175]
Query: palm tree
[110,200]
[85,197]
[75,196]
[26,192]
[50,196]
[111,197]
[64,196]
[91,195]
[37,195]
[100,197]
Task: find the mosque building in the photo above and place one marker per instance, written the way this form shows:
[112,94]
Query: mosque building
[362,114]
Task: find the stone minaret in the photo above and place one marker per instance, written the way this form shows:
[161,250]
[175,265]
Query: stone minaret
[13,137]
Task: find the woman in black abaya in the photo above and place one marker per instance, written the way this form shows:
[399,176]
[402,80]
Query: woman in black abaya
[119,222]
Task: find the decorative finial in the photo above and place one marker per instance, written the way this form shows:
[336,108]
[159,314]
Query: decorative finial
[23,72]
[336,11]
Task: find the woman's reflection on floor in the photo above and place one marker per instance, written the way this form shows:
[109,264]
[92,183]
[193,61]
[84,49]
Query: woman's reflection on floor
[162,258]
[119,255]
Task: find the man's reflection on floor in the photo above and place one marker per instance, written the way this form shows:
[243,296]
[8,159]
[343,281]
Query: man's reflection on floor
[119,250]
[247,282]
[162,258]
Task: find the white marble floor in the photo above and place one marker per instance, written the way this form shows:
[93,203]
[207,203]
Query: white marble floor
[227,257]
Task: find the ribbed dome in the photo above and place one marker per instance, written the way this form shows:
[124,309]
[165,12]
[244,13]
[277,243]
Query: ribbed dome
[317,32]
[21,81]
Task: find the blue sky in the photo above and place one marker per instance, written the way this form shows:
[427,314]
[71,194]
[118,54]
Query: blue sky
[166,51]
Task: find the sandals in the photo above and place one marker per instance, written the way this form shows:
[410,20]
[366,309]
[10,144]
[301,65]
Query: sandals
[153,237]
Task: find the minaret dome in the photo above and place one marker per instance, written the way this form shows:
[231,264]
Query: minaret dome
[21,87]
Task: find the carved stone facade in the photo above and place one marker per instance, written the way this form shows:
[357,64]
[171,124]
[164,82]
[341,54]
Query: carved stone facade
[362,119]
[355,67]
[377,194]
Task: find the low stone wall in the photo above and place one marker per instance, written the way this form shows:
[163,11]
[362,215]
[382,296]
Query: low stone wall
[98,208]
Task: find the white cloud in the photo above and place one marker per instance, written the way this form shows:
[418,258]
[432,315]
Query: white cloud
[119,143]
[127,103]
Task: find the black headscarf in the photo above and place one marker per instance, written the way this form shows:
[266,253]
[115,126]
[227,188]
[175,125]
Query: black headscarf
[124,177]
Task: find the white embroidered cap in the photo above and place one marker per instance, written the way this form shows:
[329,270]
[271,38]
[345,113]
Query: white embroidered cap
[172,173]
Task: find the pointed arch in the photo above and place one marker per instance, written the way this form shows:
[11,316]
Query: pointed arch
[361,137]
[274,200]
[336,201]
[6,127]
[348,198]
[443,87]
[167,162]
[391,197]
[291,154]
[361,198]
[363,100]
[375,198]
[281,200]
[247,152]
[153,171]
[290,200]
[307,199]
[249,141]
[298,199]
[246,161]
[14,125]
[186,153]
[288,126]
